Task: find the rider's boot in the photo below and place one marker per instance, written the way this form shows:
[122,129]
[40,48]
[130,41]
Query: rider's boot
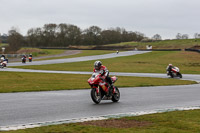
[110,90]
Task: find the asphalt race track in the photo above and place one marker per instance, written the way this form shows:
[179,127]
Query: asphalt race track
[34,107]
[78,59]
[40,107]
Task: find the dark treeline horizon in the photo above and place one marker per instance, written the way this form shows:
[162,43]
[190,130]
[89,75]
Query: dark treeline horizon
[63,35]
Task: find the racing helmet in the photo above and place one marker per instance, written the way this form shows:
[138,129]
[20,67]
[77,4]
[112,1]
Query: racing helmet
[97,65]
[170,64]
[2,58]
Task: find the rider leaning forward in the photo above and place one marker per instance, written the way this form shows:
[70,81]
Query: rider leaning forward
[99,68]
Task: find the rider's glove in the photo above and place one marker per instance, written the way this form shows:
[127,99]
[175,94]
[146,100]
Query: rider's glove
[102,72]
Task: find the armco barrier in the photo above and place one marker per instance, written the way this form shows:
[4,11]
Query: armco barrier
[194,50]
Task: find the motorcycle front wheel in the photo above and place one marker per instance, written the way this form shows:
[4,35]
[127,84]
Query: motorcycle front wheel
[96,97]
[116,95]
[171,75]
[180,75]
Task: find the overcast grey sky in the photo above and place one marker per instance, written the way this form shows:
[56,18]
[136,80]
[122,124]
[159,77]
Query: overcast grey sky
[165,17]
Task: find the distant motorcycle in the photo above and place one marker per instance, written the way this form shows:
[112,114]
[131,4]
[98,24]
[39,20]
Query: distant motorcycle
[175,72]
[3,64]
[30,59]
[23,60]
[100,88]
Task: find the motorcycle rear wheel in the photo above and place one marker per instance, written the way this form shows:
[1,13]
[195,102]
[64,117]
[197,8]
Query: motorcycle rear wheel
[96,97]
[116,95]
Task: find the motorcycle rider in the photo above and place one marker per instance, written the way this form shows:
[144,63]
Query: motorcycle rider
[24,56]
[169,68]
[3,56]
[30,57]
[99,68]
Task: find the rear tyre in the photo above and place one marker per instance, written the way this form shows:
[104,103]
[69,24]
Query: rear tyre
[116,95]
[96,97]
[23,61]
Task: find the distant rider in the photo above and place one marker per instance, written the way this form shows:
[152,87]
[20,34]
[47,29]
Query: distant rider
[99,68]
[3,56]
[24,56]
[30,57]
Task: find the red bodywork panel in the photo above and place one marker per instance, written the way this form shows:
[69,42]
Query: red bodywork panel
[98,80]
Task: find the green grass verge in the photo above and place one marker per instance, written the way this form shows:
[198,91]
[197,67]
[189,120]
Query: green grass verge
[169,122]
[4,44]
[23,82]
[83,53]
[153,62]
[36,52]
[165,44]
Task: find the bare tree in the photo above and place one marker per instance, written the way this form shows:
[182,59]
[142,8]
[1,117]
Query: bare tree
[179,36]
[196,35]
[92,35]
[68,34]
[185,36]
[52,35]
[15,39]
[157,37]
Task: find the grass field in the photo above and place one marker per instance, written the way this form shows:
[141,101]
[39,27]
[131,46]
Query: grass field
[3,44]
[153,62]
[165,44]
[22,82]
[169,122]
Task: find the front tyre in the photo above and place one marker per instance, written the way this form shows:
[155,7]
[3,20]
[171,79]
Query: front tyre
[116,95]
[180,75]
[171,75]
[96,97]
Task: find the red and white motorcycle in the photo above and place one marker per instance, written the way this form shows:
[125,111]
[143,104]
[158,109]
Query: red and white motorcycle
[175,72]
[100,88]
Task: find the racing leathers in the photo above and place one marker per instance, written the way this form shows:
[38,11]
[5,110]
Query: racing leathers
[104,71]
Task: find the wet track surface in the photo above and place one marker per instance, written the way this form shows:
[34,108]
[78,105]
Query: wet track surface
[34,107]
[78,59]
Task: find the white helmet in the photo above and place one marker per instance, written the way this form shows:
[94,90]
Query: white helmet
[97,64]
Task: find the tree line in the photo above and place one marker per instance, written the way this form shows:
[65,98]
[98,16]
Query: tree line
[63,35]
